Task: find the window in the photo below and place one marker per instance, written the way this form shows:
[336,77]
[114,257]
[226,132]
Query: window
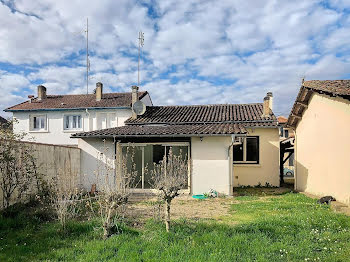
[248,151]
[38,123]
[145,155]
[72,122]
[286,133]
[106,120]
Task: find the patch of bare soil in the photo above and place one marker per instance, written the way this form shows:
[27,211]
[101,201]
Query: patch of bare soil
[182,207]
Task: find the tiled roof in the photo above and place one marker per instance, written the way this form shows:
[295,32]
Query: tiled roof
[190,121]
[329,87]
[166,130]
[333,87]
[226,113]
[77,101]
[282,119]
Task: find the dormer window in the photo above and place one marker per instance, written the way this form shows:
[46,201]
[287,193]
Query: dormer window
[72,122]
[38,123]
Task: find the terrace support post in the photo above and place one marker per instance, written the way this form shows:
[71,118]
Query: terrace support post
[281,165]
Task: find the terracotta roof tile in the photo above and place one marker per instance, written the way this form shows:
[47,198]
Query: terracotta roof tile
[282,119]
[334,87]
[329,87]
[77,101]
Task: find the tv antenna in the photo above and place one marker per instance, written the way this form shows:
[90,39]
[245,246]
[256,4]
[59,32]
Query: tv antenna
[87,56]
[141,41]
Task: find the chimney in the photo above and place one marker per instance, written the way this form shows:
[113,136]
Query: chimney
[134,98]
[266,106]
[99,91]
[270,95]
[41,92]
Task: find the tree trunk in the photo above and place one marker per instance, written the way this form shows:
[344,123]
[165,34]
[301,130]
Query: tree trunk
[167,214]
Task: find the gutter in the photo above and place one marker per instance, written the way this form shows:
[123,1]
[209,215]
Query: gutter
[65,109]
[145,135]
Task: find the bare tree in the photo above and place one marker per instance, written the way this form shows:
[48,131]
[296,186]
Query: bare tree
[65,195]
[115,177]
[18,171]
[169,177]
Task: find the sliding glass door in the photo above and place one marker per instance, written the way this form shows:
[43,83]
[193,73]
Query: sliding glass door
[143,157]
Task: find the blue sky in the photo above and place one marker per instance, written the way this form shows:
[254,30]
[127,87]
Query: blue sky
[195,52]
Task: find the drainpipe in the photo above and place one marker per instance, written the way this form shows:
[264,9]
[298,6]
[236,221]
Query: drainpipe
[295,159]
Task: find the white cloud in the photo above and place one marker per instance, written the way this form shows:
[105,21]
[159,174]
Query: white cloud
[219,51]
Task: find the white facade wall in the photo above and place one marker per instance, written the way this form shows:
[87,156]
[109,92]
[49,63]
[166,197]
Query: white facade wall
[55,133]
[210,164]
[95,156]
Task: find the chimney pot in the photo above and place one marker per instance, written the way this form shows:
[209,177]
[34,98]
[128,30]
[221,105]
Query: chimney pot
[134,98]
[270,95]
[99,91]
[41,92]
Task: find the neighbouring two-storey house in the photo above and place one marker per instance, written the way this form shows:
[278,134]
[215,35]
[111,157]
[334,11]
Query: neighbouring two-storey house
[52,119]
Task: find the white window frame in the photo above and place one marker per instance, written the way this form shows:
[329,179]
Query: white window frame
[38,130]
[108,115]
[71,128]
[244,141]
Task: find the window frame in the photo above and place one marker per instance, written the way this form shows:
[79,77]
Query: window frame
[244,141]
[38,130]
[71,116]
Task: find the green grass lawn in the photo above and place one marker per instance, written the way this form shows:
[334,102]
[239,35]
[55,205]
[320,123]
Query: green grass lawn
[290,227]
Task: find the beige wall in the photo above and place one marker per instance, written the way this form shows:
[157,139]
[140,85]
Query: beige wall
[323,148]
[211,164]
[267,171]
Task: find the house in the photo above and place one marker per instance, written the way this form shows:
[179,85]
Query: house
[320,118]
[228,145]
[53,118]
[285,131]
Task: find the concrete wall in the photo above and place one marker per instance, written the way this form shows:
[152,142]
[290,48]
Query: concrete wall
[323,148]
[55,133]
[267,171]
[53,160]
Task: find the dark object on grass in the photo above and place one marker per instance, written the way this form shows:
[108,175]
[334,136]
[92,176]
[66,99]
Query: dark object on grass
[326,200]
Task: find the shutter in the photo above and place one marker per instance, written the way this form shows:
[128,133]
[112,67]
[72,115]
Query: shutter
[31,121]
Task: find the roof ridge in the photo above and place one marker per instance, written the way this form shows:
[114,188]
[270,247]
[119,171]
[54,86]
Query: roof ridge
[94,94]
[207,105]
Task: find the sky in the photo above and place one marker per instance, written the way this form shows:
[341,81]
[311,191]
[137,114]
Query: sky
[195,52]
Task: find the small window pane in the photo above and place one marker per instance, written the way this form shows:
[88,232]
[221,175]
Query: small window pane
[67,122]
[42,119]
[74,121]
[252,149]
[238,152]
[79,121]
